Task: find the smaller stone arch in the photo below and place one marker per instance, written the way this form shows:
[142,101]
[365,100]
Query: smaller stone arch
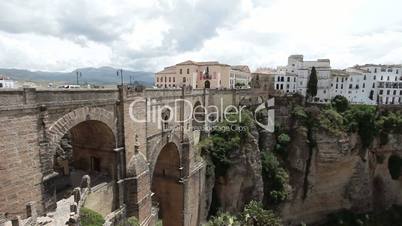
[138,188]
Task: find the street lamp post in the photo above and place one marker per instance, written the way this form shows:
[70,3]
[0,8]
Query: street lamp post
[79,74]
[120,73]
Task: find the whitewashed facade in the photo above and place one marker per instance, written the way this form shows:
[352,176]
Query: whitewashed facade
[6,83]
[365,84]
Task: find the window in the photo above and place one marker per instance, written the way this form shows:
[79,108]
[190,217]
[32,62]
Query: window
[350,86]
[341,86]
[184,79]
[400,92]
[288,79]
[287,86]
[337,79]
[364,77]
[336,86]
[373,85]
[342,79]
[157,79]
[382,77]
[277,86]
[387,78]
[170,79]
[375,71]
[394,92]
[281,86]
[294,79]
[188,70]
[174,79]
[381,92]
[282,79]
[375,77]
[388,92]
[165,79]
[364,85]
[397,71]
[181,71]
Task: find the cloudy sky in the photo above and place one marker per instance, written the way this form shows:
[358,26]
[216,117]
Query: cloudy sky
[60,35]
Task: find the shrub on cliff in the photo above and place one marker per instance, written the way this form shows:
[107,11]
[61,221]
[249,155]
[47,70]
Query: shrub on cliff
[340,103]
[390,122]
[223,219]
[253,215]
[89,217]
[362,119]
[275,179]
[225,138]
[331,121]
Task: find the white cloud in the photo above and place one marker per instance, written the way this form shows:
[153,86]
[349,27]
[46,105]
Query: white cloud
[151,34]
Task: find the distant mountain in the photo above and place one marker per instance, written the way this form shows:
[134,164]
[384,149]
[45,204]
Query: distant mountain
[102,75]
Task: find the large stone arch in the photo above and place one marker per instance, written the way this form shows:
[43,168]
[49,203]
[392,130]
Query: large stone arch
[86,127]
[158,146]
[168,186]
[60,127]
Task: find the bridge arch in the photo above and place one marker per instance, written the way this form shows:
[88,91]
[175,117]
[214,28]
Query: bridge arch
[60,127]
[81,142]
[158,147]
[167,186]
[139,203]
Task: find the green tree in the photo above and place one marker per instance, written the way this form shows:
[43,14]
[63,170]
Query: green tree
[340,103]
[312,84]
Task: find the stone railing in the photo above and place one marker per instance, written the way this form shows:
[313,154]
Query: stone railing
[117,217]
[17,221]
[80,194]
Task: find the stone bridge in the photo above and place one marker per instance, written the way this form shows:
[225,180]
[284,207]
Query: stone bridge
[123,138]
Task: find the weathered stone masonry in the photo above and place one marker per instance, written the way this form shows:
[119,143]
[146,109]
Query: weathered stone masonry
[34,121]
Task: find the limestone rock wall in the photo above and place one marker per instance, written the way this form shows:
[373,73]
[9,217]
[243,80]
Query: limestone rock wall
[339,177]
[243,181]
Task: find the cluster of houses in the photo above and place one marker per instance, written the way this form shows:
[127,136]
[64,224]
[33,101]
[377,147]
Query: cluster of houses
[360,84]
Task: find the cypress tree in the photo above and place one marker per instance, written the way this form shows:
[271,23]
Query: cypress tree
[312,84]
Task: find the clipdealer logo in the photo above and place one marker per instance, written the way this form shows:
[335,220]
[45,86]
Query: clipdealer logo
[149,110]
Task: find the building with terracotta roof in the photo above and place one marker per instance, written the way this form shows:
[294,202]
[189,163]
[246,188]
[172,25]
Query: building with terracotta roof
[199,75]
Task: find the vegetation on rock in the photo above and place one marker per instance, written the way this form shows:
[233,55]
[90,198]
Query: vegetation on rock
[226,138]
[392,216]
[275,179]
[253,215]
[340,103]
[89,217]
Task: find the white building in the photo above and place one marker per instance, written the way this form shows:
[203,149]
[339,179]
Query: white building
[6,82]
[240,75]
[387,80]
[366,84]
[295,77]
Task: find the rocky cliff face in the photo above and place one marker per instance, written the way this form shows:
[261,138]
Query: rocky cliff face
[338,177]
[334,174]
[242,181]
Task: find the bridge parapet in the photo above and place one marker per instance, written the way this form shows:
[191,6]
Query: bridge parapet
[31,96]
